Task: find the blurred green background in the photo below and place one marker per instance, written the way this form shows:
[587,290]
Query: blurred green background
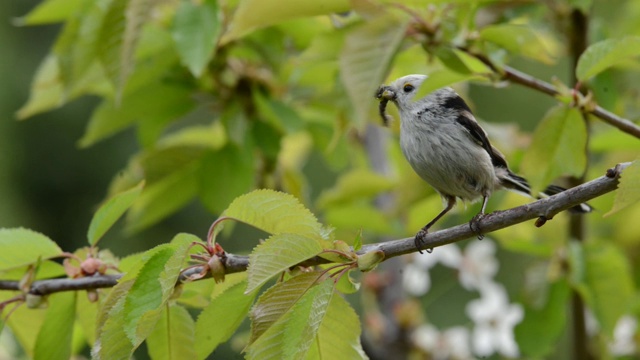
[47,182]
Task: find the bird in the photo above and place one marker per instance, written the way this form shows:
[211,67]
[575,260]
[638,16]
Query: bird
[446,146]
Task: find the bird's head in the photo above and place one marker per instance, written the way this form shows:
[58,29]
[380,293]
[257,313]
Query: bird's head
[401,91]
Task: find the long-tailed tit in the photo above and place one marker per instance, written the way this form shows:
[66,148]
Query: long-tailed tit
[446,146]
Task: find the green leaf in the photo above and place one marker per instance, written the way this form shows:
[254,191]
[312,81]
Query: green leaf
[339,334]
[50,12]
[161,198]
[112,323]
[605,282]
[460,62]
[558,147]
[268,139]
[291,336]
[305,320]
[229,281]
[19,247]
[602,55]
[359,183]
[278,114]
[522,40]
[110,212]
[612,139]
[365,59]
[277,301]
[131,265]
[47,89]
[86,317]
[113,342]
[276,213]
[156,58]
[444,77]
[369,260]
[320,325]
[196,28]
[277,254]
[449,58]
[145,296]
[251,14]
[628,192]
[110,41]
[207,136]
[54,337]
[24,323]
[152,288]
[347,285]
[225,174]
[324,47]
[76,47]
[119,34]
[160,163]
[473,64]
[359,216]
[541,328]
[109,117]
[357,242]
[342,254]
[229,308]
[46,269]
[173,336]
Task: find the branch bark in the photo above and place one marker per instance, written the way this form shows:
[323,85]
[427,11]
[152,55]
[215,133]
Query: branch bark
[546,88]
[524,79]
[544,209]
[578,43]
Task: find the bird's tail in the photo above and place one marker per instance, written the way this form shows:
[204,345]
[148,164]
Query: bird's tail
[578,209]
[519,184]
[516,183]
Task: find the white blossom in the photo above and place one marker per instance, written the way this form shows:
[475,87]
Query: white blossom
[623,336]
[451,344]
[448,255]
[494,319]
[415,277]
[415,280]
[478,265]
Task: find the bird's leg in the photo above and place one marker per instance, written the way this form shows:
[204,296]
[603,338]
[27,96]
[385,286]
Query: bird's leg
[419,239]
[474,224]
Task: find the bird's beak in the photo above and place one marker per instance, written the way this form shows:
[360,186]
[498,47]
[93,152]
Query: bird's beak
[385,93]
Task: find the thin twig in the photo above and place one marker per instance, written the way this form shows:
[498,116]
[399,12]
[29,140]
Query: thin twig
[545,208]
[524,79]
[610,118]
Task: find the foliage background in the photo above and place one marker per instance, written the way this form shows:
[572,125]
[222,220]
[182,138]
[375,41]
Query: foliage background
[50,185]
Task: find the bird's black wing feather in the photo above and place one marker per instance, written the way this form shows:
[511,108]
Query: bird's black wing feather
[470,124]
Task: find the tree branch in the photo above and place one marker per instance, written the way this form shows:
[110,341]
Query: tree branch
[544,209]
[544,87]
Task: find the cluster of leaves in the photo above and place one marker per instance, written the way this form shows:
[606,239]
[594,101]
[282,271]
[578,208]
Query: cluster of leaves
[227,96]
[301,316]
[252,105]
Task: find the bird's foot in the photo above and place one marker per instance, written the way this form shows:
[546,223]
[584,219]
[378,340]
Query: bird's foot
[474,225]
[419,240]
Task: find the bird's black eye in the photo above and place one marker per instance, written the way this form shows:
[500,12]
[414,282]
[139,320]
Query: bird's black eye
[408,88]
